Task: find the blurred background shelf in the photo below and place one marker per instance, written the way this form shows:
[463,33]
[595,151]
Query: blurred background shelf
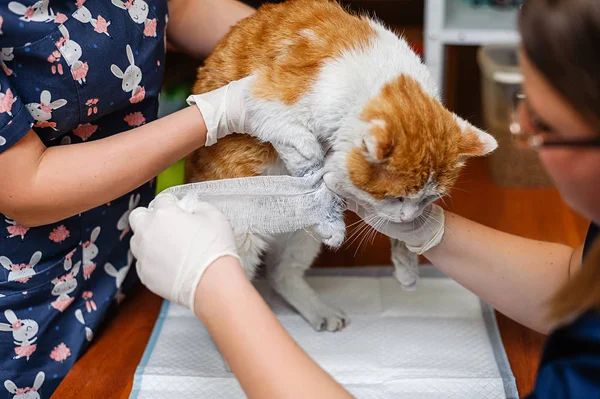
[462,23]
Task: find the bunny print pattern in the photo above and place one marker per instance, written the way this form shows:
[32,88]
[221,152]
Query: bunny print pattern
[71,71]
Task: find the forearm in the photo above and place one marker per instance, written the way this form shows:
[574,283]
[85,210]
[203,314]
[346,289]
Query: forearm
[264,358]
[515,275]
[67,180]
[195,27]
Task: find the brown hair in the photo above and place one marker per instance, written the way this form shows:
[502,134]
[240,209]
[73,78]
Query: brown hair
[561,38]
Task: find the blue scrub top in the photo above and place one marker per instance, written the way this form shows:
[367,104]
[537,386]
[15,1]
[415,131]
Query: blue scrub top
[570,364]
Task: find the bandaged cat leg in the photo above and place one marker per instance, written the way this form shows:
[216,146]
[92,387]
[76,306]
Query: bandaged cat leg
[331,229]
[262,204]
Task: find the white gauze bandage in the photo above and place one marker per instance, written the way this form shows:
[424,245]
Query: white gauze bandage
[263,204]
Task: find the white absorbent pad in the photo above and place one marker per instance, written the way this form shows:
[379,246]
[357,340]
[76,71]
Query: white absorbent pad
[439,341]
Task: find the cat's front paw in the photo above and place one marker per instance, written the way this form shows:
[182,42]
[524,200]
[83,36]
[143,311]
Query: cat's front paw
[332,229]
[332,234]
[329,319]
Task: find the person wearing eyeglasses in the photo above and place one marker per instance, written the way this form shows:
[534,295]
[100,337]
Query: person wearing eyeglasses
[191,259]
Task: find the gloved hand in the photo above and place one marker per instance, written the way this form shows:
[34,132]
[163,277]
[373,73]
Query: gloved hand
[420,235]
[223,109]
[174,247]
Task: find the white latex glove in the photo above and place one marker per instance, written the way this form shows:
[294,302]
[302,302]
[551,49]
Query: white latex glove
[174,247]
[223,109]
[420,235]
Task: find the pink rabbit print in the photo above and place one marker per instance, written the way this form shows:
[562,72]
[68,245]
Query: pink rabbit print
[91,104]
[6,54]
[59,234]
[39,12]
[42,111]
[72,52]
[1,23]
[60,353]
[85,131]
[132,77]
[89,302]
[21,272]
[65,285]
[28,392]
[138,11]
[90,251]
[135,119]
[83,15]
[24,334]
[6,102]
[15,229]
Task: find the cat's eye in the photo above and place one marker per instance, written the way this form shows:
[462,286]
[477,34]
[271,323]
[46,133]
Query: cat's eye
[400,199]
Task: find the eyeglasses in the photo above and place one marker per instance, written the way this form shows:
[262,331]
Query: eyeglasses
[536,140]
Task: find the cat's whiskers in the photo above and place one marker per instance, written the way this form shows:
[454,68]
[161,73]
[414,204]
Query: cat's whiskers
[373,233]
[357,232]
[375,230]
[371,224]
[355,223]
[444,201]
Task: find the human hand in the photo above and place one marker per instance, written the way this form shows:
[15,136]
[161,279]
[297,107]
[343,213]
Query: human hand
[174,247]
[223,109]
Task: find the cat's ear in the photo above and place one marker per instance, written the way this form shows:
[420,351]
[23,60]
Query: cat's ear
[378,143]
[474,141]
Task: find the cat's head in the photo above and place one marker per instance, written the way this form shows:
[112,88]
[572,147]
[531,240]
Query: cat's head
[405,151]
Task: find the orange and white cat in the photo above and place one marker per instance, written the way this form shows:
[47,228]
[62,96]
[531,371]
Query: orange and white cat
[342,92]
